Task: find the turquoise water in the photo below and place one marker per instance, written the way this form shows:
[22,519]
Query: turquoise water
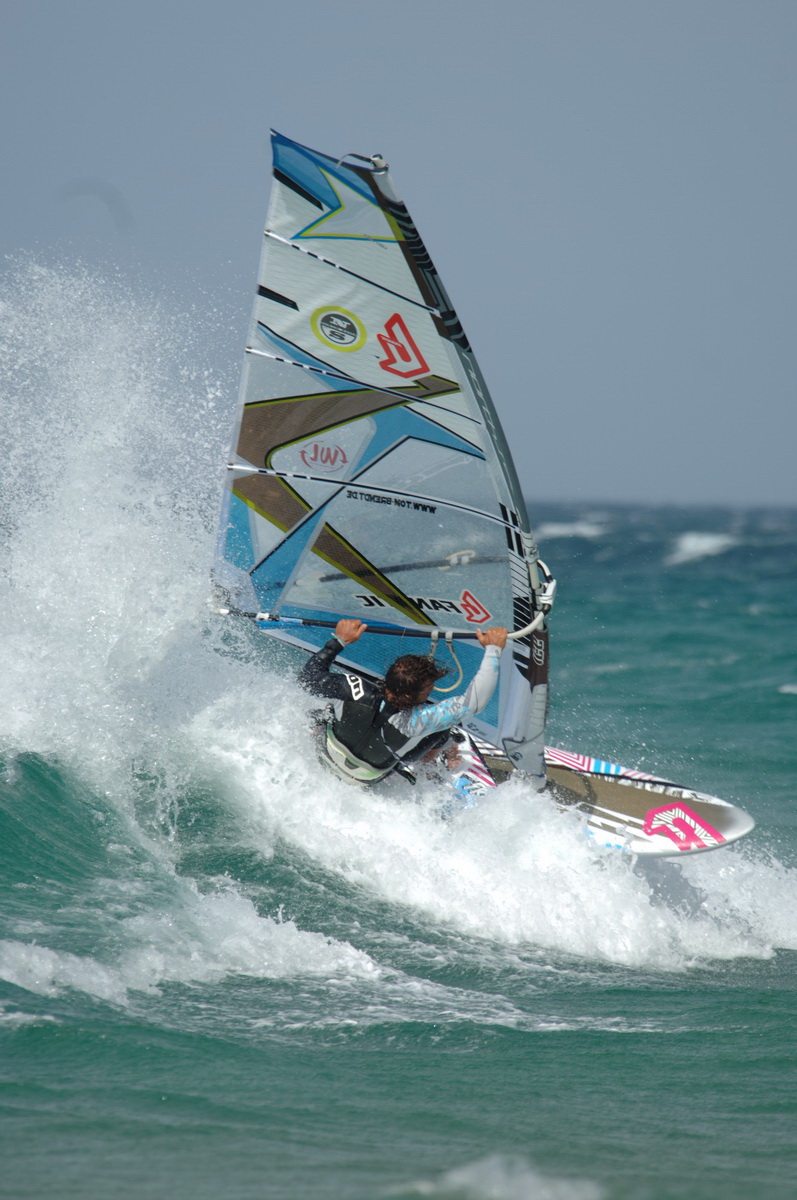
[223,973]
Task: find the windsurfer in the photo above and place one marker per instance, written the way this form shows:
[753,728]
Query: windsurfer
[371,730]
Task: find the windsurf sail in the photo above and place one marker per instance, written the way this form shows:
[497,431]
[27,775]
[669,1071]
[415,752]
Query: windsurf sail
[369,475]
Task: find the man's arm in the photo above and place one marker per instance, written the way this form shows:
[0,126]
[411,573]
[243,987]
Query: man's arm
[315,675]
[446,713]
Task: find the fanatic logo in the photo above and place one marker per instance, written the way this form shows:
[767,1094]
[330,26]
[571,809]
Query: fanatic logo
[467,606]
[473,609]
[682,826]
[403,356]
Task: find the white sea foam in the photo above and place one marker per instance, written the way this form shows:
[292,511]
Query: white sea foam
[750,894]
[516,870]
[15,1018]
[691,547]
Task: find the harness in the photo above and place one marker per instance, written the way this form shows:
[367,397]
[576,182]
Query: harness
[362,746]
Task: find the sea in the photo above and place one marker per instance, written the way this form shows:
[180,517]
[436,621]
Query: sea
[226,974]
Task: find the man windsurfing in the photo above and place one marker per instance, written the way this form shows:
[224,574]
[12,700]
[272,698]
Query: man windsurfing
[372,730]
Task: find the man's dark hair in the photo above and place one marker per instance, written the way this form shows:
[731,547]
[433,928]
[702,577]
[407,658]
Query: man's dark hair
[408,676]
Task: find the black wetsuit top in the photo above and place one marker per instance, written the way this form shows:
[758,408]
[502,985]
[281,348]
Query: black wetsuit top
[360,721]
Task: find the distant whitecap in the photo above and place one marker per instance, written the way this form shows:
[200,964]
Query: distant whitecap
[563,529]
[788,689]
[500,1177]
[691,547]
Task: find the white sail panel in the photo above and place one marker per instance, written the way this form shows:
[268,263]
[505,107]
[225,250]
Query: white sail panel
[360,330]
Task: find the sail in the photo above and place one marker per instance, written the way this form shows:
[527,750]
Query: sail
[369,475]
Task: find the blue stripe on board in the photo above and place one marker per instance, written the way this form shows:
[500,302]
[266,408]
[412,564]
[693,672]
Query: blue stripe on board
[605,768]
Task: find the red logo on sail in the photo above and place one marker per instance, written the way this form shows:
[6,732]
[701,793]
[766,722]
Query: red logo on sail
[320,456]
[682,826]
[473,609]
[403,356]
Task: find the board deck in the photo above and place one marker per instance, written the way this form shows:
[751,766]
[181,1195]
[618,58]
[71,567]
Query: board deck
[648,817]
[628,810]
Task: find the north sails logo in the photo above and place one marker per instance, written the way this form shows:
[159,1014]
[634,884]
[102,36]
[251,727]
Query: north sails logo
[403,356]
[467,606]
[321,456]
[682,826]
[338,328]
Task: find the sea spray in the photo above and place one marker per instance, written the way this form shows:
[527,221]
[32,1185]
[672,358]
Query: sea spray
[113,429]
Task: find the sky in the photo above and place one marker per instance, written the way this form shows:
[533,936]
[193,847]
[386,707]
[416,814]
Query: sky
[608,189]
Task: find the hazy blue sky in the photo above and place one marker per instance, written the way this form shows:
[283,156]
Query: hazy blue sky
[608,188]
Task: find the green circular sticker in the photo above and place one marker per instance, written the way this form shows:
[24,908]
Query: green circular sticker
[338,328]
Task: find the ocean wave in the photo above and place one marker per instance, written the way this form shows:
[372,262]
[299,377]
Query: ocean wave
[208,940]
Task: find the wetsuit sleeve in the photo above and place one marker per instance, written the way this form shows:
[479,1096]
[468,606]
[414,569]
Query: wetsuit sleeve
[428,718]
[316,677]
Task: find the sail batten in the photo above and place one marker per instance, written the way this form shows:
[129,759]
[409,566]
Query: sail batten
[402,396]
[328,262]
[418,497]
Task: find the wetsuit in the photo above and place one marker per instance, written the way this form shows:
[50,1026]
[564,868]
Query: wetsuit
[366,736]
